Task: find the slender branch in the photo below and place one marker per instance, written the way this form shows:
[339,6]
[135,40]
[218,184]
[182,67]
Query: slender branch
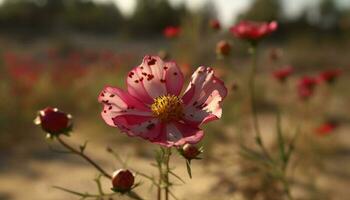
[83,155]
[83,195]
[253,102]
[99,186]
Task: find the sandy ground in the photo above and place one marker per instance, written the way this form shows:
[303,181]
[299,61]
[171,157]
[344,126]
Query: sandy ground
[31,174]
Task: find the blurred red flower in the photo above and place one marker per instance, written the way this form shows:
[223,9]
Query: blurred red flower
[253,31]
[329,76]
[282,74]
[172,31]
[306,87]
[215,24]
[326,128]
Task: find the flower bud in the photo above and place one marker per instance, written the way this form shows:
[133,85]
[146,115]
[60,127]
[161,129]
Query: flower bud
[122,180]
[234,86]
[53,121]
[223,48]
[190,151]
[214,24]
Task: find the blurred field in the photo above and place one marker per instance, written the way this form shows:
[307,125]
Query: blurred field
[69,70]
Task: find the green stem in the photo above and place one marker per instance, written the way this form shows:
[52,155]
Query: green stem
[166,173]
[251,84]
[159,188]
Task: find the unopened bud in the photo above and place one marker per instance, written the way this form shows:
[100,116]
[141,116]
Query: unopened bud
[223,48]
[53,121]
[190,151]
[122,180]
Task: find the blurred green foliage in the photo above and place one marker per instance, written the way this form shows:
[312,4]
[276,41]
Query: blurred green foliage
[150,17]
[52,16]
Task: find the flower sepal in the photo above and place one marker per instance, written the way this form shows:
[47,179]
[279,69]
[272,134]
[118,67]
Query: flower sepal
[191,152]
[125,191]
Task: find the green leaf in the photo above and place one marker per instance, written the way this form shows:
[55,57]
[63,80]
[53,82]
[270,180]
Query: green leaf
[83,147]
[176,176]
[188,166]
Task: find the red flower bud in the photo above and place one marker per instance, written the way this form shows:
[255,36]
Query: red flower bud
[214,24]
[54,121]
[223,48]
[122,180]
[190,151]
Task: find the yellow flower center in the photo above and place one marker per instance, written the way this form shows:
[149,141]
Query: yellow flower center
[167,107]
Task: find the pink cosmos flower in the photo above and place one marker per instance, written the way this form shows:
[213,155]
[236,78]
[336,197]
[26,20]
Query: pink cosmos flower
[253,31]
[172,31]
[153,109]
[282,74]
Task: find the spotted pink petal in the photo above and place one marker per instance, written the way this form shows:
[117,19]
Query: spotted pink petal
[118,102]
[146,127]
[174,78]
[177,134]
[203,97]
[153,78]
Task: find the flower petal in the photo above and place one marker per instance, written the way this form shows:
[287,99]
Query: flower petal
[203,97]
[146,127]
[177,134]
[153,78]
[118,102]
[174,78]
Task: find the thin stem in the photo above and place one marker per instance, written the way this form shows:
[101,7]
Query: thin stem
[286,189]
[159,188]
[81,154]
[253,101]
[84,195]
[166,174]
